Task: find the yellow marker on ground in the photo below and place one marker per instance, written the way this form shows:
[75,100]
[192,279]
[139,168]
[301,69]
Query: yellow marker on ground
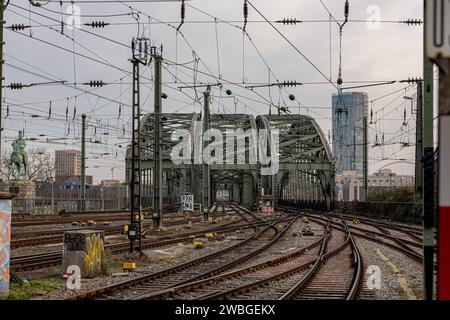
[129,266]
[198,244]
[400,276]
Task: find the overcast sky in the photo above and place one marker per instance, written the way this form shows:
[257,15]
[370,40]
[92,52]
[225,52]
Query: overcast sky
[392,52]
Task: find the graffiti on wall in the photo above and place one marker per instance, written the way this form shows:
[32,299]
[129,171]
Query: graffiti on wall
[66,205]
[94,257]
[5,238]
[23,206]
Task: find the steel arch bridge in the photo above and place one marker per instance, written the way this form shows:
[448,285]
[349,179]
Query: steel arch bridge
[305,175]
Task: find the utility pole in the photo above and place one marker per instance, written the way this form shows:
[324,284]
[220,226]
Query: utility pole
[83,164]
[365,158]
[1,73]
[206,173]
[157,147]
[419,145]
[135,229]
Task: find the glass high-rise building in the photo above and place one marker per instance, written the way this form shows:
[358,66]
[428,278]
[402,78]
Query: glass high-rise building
[349,108]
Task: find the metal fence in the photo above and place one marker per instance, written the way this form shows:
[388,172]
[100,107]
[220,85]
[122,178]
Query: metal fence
[37,206]
[396,211]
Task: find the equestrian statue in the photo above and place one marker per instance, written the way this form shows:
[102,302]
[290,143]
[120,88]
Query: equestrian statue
[19,157]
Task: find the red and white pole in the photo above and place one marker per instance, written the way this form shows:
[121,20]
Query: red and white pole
[443,258]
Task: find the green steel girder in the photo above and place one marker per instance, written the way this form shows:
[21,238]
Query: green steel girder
[306,169]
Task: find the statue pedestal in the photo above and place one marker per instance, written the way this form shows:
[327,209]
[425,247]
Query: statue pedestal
[24,193]
[21,188]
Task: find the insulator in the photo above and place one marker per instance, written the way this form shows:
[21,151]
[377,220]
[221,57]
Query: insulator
[183,9]
[413,80]
[289,83]
[97,24]
[16,86]
[96,83]
[346,10]
[245,9]
[288,21]
[16,27]
[413,22]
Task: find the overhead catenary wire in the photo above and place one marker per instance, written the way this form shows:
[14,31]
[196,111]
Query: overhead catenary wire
[219,73]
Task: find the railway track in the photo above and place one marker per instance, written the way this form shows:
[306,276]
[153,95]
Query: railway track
[336,273]
[206,266]
[36,261]
[101,216]
[409,248]
[328,267]
[286,265]
[44,237]
[297,274]
[384,239]
[288,281]
[56,236]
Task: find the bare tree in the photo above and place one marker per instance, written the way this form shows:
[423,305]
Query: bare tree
[40,166]
[6,169]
